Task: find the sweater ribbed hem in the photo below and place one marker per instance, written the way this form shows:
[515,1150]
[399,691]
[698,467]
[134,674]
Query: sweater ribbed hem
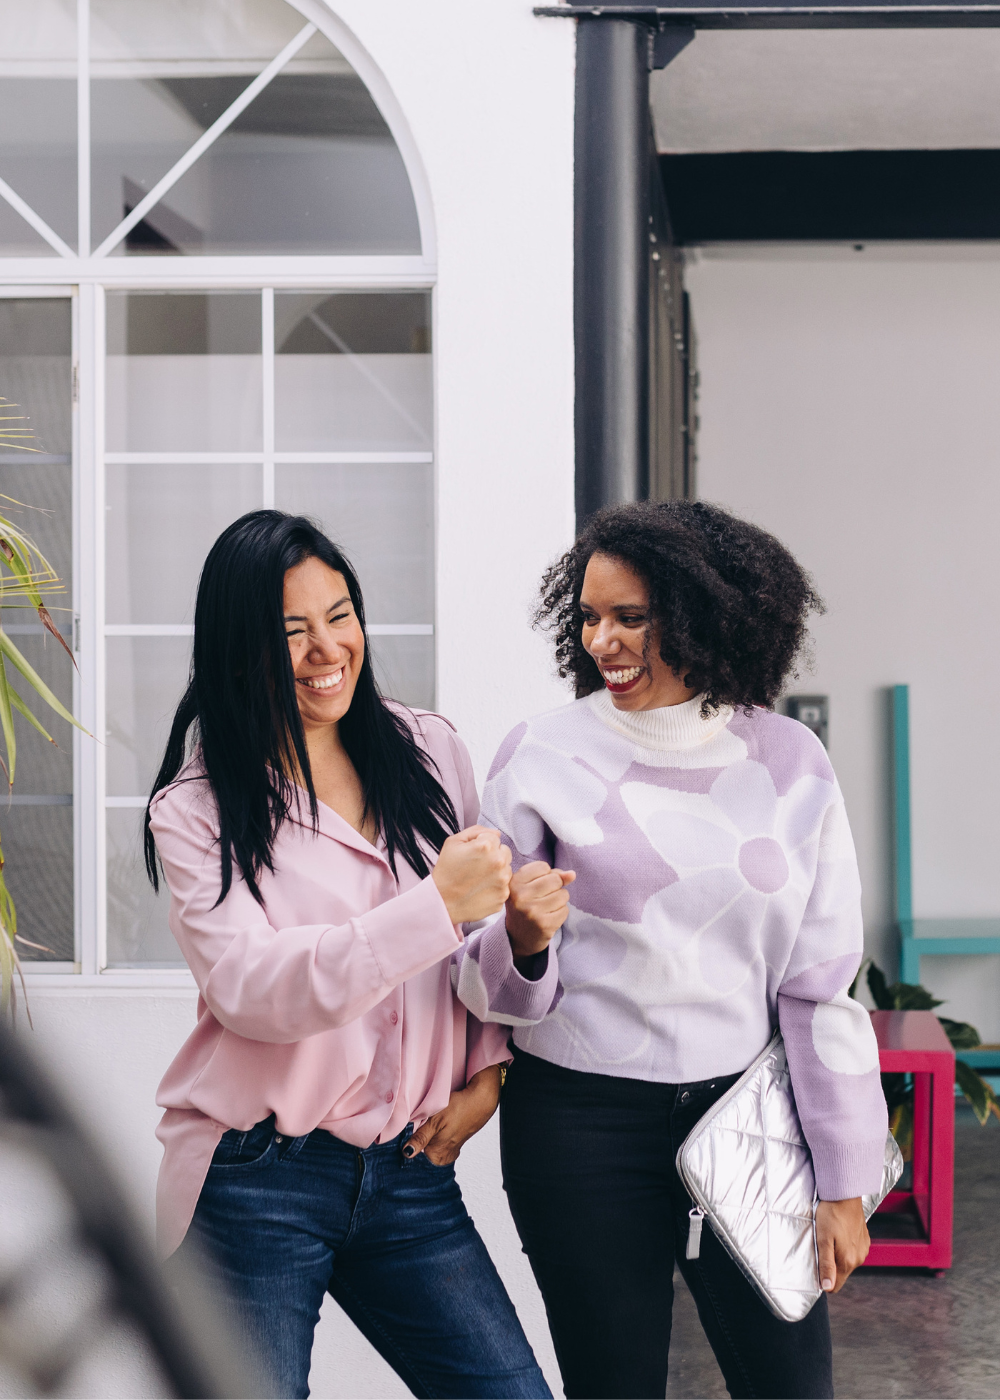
[670,727]
[846,1170]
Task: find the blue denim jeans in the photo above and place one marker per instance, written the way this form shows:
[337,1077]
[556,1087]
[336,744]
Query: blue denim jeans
[286,1220]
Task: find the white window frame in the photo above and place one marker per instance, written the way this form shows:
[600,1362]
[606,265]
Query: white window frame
[86,277]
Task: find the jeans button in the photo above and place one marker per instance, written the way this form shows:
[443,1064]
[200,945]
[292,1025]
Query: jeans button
[278,1137]
[685,1096]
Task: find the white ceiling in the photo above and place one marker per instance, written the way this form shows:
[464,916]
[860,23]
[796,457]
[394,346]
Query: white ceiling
[830,90]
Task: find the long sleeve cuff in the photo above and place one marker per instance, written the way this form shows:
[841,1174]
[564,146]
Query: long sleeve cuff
[846,1170]
[489,984]
[410,933]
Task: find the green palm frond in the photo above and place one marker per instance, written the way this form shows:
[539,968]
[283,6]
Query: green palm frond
[26,579]
[16,434]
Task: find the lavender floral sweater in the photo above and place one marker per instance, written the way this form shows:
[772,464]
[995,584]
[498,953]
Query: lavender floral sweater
[716,896]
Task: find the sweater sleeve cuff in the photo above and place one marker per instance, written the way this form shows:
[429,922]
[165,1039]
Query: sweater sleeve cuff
[410,933]
[846,1170]
[492,988]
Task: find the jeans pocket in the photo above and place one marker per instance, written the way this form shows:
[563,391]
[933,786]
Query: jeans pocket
[434,1166]
[249,1149]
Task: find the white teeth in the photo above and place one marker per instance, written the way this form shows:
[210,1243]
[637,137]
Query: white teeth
[623,677]
[322,682]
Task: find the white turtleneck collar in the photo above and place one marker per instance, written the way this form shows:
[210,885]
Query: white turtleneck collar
[669,727]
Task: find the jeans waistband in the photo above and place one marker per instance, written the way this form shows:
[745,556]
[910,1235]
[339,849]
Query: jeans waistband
[655,1091]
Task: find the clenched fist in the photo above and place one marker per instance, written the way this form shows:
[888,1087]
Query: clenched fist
[473,874]
[537,906]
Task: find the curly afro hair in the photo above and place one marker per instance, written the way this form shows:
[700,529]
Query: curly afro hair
[728,600]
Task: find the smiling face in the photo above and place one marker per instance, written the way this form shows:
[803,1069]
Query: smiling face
[325,642]
[616,623]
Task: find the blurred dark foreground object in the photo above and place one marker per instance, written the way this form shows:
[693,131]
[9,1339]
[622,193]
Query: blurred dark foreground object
[84,1308]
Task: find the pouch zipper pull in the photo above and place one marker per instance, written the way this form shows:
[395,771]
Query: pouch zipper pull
[696,1217]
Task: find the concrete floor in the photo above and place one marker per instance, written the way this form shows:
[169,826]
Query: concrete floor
[901,1333]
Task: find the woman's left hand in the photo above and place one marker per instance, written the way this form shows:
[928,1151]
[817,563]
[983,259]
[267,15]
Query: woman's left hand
[841,1240]
[443,1136]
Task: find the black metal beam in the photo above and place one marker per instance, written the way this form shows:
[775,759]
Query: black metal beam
[611,272]
[844,196]
[860,16]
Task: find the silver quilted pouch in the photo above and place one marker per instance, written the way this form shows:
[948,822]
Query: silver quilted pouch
[747,1168]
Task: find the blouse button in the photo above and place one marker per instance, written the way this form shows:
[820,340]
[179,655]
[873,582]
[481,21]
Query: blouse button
[393,1017]
[388,1097]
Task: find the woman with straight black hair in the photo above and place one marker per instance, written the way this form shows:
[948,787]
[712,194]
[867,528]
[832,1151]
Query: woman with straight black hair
[322,852]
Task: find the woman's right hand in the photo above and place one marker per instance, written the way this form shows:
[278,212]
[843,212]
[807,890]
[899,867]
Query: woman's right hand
[473,874]
[537,907]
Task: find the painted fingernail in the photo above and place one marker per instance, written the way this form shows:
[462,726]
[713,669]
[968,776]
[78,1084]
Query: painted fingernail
[827,1284]
[408,1152]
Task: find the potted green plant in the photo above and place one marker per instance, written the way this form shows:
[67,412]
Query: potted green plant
[898,1088]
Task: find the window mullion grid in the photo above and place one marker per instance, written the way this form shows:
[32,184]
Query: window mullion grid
[89,806]
[83,127]
[93,802]
[76,531]
[267,389]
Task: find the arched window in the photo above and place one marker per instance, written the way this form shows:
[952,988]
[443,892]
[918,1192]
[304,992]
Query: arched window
[215,274]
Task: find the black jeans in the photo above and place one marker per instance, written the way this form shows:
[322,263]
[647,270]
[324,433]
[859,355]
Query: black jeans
[588,1166]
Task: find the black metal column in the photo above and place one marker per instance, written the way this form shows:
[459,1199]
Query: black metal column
[611,263]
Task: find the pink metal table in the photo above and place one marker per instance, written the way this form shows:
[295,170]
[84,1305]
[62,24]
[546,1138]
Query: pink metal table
[913,1042]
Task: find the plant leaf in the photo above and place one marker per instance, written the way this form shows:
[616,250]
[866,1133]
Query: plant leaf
[22,708]
[31,675]
[908,996]
[46,620]
[42,947]
[961,1034]
[881,995]
[901,1127]
[7,724]
[980,1094]
[897,1089]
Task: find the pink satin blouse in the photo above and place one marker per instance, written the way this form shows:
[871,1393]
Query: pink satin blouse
[332,1006]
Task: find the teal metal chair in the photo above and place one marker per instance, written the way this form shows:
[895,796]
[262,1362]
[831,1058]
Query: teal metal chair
[927,938]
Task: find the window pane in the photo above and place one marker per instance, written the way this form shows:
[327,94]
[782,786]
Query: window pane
[38,121]
[381,516]
[138,129]
[404,668]
[38,849]
[161,523]
[146,677]
[308,167]
[183,372]
[138,933]
[352,372]
[35,476]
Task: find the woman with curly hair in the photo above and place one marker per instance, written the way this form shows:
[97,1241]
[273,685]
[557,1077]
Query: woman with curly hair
[693,851]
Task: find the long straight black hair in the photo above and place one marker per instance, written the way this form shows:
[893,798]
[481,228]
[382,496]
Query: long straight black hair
[241,702]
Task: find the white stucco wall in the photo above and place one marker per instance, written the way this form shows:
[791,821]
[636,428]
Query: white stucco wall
[849,403]
[487,92]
